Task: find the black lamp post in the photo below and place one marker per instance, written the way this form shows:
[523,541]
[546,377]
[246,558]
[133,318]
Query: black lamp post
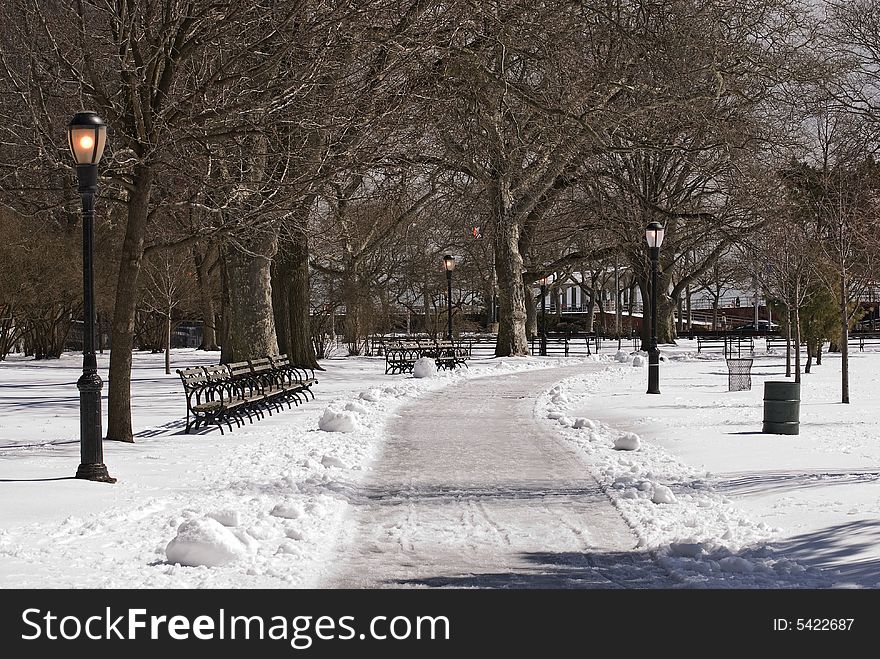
[449,264]
[654,235]
[543,351]
[87,135]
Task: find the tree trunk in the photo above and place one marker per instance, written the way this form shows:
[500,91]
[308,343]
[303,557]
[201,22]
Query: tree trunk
[251,321]
[168,343]
[666,319]
[353,296]
[122,331]
[301,350]
[281,297]
[591,312]
[511,292]
[788,343]
[690,311]
[225,343]
[206,299]
[809,363]
[844,342]
[646,315]
[797,344]
[819,353]
[532,313]
[631,305]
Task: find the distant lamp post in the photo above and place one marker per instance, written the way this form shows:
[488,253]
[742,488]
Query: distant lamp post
[87,135]
[543,351]
[654,235]
[449,265]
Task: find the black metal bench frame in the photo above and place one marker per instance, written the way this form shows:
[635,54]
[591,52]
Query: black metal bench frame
[401,356]
[870,339]
[227,393]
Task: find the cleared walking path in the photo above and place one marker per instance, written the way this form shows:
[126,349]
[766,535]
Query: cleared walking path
[472,492]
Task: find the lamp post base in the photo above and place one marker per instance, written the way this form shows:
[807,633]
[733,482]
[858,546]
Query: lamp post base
[94,472]
[653,371]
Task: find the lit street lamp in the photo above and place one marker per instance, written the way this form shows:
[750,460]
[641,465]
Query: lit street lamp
[87,135]
[543,351]
[449,264]
[654,235]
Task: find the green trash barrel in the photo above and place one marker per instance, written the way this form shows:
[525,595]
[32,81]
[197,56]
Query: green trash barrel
[782,406]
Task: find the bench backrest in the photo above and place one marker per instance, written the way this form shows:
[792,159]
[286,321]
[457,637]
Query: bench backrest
[280,361]
[192,377]
[216,373]
[262,365]
[239,369]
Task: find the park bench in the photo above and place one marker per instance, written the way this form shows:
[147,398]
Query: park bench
[730,344]
[869,339]
[710,342]
[776,341]
[449,355]
[401,356]
[227,393]
[568,341]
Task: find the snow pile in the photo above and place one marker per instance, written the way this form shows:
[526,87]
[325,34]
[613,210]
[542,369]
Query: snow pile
[371,395]
[424,367]
[355,406]
[288,510]
[638,360]
[332,461]
[622,356]
[226,517]
[207,542]
[628,441]
[662,494]
[582,422]
[338,421]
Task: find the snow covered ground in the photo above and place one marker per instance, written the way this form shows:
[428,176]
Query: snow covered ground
[258,507]
[709,493]
[711,500]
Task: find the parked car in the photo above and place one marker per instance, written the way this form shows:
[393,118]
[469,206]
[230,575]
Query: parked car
[763,326]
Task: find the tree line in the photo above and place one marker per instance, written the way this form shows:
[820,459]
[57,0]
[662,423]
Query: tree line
[271,161]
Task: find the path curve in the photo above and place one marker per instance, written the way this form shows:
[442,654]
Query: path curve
[470,491]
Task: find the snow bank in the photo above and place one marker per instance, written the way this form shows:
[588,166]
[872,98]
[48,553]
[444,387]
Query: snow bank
[638,360]
[696,533]
[663,494]
[628,441]
[207,542]
[622,356]
[372,395]
[333,461]
[355,406]
[226,517]
[288,510]
[424,368]
[338,421]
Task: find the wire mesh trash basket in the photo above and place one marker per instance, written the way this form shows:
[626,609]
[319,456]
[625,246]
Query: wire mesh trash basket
[739,373]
